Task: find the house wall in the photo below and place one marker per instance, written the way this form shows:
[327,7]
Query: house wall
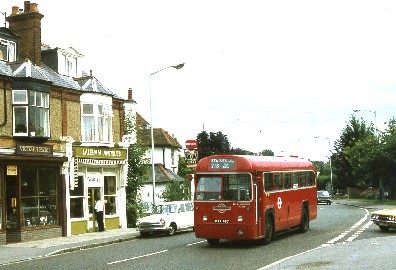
[147,192]
[163,155]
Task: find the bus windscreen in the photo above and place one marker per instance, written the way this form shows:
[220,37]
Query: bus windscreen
[228,187]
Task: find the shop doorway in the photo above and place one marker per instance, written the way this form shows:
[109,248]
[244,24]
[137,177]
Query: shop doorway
[93,194]
[12,200]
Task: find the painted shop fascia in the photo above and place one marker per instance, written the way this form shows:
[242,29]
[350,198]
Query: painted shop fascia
[97,172]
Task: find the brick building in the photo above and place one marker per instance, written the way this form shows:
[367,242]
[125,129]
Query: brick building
[61,138]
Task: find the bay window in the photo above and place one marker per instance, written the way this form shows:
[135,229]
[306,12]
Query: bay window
[30,113]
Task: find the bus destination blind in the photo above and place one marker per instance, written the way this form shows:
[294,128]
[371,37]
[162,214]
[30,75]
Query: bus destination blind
[222,163]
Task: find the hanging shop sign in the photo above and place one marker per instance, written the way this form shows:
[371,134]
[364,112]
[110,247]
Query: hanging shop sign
[34,149]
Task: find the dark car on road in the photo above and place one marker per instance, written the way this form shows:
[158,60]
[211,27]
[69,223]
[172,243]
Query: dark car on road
[324,197]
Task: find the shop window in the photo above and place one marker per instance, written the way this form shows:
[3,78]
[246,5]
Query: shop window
[110,195]
[96,122]
[30,113]
[39,197]
[77,198]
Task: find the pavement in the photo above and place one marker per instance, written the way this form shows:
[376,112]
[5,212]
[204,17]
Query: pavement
[346,255]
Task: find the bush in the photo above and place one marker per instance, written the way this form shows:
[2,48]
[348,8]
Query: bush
[370,194]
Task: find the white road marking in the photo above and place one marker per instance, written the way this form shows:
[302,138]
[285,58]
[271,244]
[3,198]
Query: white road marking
[331,242]
[351,229]
[138,257]
[196,243]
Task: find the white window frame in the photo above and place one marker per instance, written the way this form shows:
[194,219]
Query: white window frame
[11,50]
[102,130]
[31,96]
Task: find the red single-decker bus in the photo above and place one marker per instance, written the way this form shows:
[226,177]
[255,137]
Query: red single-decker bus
[252,197]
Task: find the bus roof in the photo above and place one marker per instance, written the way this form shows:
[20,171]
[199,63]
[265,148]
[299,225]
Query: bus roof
[228,163]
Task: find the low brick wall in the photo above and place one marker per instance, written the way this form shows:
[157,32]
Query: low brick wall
[32,235]
[2,238]
[41,234]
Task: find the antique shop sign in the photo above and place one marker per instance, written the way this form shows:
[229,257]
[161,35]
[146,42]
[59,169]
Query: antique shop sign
[34,149]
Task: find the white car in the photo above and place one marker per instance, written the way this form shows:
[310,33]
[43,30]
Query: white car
[168,217]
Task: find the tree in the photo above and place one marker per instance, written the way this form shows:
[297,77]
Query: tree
[267,152]
[176,191]
[182,169]
[345,165]
[239,151]
[137,170]
[323,179]
[212,144]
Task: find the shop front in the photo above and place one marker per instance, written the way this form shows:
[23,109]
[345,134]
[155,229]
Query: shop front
[99,174]
[31,194]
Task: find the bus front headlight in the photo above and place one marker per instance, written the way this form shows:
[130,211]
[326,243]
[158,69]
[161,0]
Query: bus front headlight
[204,218]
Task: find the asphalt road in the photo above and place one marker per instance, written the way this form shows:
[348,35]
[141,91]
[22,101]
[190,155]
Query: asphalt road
[335,224]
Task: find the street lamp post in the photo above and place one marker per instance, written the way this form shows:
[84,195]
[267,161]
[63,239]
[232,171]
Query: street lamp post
[179,66]
[331,168]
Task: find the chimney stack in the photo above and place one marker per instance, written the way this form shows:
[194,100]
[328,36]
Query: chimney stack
[130,94]
[27,25]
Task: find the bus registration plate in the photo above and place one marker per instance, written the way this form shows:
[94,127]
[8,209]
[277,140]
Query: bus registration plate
[222,221]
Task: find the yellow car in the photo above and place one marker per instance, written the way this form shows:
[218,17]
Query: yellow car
[385,218]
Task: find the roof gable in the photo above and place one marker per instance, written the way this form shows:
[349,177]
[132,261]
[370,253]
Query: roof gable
[161,138]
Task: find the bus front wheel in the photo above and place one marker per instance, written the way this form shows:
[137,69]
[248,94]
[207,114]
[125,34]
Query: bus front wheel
[304,221]
[269,230]
[213,242]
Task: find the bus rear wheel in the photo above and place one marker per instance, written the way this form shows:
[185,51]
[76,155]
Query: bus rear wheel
[213,242]
[269,230]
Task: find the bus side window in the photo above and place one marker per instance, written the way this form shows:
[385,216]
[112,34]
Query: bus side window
[278,181]
[303,180]
[309,179]
[295,180]
[286,180]
[268,182]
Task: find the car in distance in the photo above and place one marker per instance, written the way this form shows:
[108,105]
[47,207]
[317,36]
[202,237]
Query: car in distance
[168,217]
[323,197]
[384,219]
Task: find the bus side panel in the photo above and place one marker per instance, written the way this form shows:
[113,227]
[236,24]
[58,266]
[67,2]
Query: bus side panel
[279,202]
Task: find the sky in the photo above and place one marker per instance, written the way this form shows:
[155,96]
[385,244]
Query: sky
[279,75]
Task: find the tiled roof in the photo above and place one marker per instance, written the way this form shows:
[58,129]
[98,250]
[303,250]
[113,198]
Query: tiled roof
[161,138]
[162,175]
[45,73]
[89,83]
[5,69]
[140,121]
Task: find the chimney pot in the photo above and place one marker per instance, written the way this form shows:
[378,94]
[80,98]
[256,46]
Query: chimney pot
[33,7]
[130,94]
[15,10]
